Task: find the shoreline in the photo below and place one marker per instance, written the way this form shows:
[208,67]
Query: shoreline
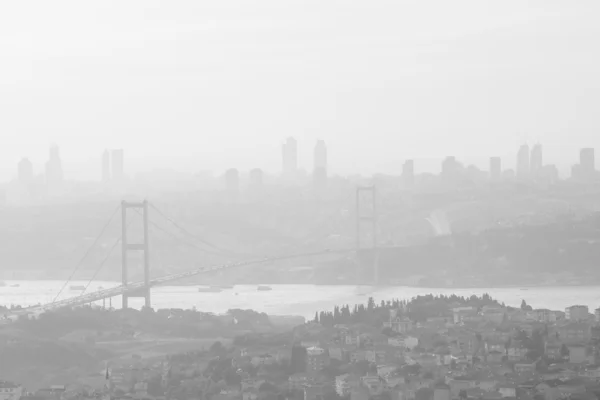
[8,282]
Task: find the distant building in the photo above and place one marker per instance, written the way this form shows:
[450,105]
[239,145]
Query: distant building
[450,168]
[10,391]
[106,166]
[256,178]
[289,154]
[54,171]
[523,170]
[408,173]
[316,360]
[495,168]
[118,162]
[320,165]
[25,171]
[232,180]
[577,313]
[536,161]
[587,159]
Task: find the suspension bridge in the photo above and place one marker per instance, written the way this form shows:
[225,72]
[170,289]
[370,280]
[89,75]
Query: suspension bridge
[143,288]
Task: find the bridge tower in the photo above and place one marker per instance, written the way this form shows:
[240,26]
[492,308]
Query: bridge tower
[368,218]
[126,247]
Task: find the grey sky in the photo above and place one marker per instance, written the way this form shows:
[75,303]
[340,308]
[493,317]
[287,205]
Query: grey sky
[216,84]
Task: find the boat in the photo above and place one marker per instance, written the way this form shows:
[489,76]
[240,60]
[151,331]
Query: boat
[77,287]
[211,289]
[15,285]
[263,288]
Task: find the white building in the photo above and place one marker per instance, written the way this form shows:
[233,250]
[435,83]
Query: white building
[10,391]
[577,313]
[342,385]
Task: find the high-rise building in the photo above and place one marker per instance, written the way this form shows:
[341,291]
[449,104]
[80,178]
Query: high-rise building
[523,162]
[587,161]
[232,179]
[320,165]
[408,173]
[54,171]
[118,165]
[450,168]
[316,360]
[320,156]
[289,154]
[105,166]
[536,161]
[25,171]
[256,178]
[495,168]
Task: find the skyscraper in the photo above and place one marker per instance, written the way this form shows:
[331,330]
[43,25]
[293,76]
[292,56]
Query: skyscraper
[587,160]
[289,154]
[495,168]
[408,173]
[320,165]
[232,180]
[536,163]
[117,159]
[523,162]
[25,171]
[106,166]
[54,172]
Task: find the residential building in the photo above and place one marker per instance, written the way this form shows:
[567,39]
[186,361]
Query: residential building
[577,354]
[343,385]
[441,391]
[10,391]
[575,332]
[597,314]
[316,360]
[577,313]
[25,171]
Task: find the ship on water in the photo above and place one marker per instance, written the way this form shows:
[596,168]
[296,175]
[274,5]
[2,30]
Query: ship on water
[263,288]
[211,289]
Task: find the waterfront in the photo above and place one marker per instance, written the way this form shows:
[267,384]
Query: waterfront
[296,299]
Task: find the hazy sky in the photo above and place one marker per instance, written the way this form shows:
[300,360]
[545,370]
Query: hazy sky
[214,84]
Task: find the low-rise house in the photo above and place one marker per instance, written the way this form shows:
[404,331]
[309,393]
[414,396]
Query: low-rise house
[358,355]
[263,359]
[507,389]
[377,355]
[525,368]
[298,381]
[396,341]
[494,357]
[10,390]
[516,351]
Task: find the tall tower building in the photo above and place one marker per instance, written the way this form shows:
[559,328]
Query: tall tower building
[106,166]
[408,173]
[523,162]
[587,161]
[232,181]
[289,154]
[536,162]
[450,168]
[54,171]
[25,171]
[320,165]
[495,168]
[117,160]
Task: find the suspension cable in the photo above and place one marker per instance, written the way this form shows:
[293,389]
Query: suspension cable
[87,253]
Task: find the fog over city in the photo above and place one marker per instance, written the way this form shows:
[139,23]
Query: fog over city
[299,200]
[198,86]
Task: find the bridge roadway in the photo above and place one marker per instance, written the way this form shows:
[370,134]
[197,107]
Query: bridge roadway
[137,286]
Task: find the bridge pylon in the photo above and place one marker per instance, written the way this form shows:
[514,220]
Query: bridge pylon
[370,218]
[126,247]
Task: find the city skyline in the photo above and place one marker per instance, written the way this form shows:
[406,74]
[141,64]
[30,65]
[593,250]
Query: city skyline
[476,79]
[110,164]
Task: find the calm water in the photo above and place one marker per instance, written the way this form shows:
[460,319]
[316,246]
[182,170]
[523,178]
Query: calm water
[296,299]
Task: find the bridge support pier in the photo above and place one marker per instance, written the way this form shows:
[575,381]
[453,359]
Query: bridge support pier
[371,218]
[126,247]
